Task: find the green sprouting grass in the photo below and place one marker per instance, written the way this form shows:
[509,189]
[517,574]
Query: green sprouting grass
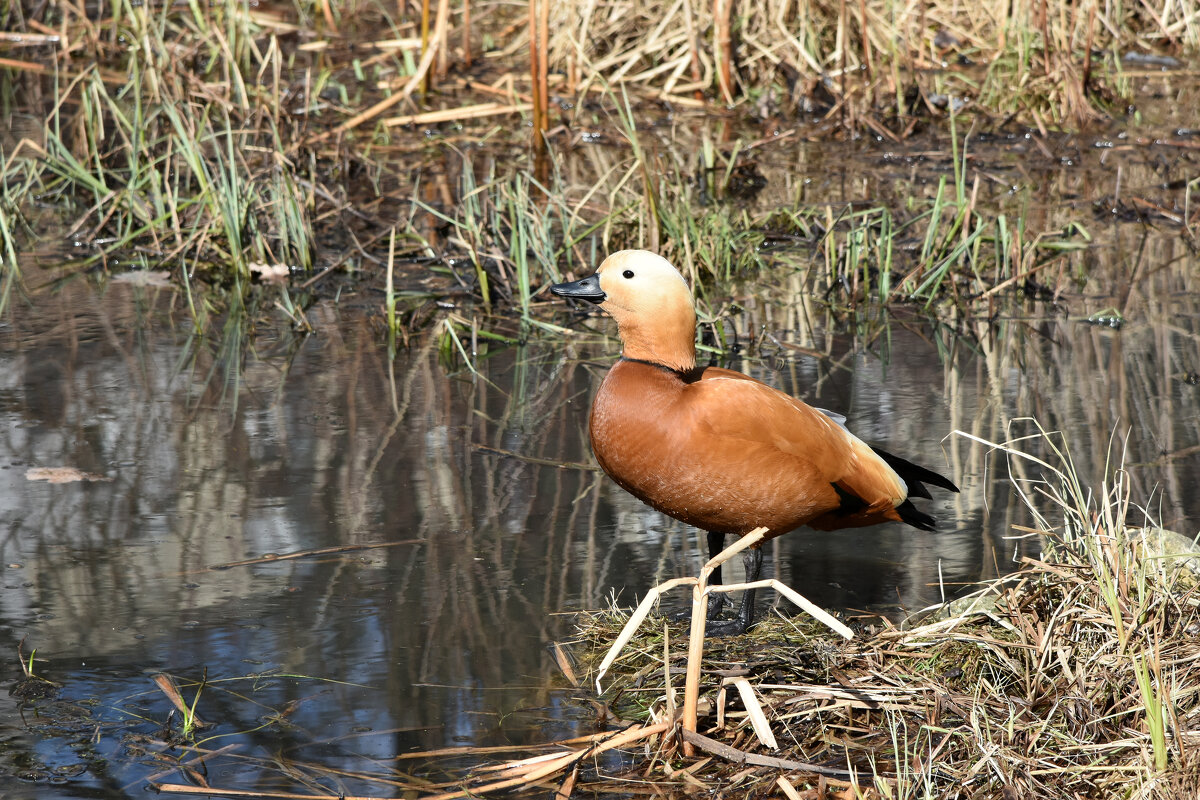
[10,270]
[186,166]
[509,236]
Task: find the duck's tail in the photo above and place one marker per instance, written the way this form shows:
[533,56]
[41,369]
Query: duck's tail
[915,477]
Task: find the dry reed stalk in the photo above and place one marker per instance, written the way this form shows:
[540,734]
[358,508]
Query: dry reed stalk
[539,34]
[689,26]
[691,687]
[426,81]
[536,52]
[866,39]
[466,33]
[691,681]
[442,62]
[1043,25]
[327,13]
[387,47]
[476,111]
[1087,47]
[723,47]
[543,86]
[539,27]
[23,66]
[30,39]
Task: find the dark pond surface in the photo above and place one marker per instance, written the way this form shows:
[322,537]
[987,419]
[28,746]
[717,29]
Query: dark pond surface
[436,634]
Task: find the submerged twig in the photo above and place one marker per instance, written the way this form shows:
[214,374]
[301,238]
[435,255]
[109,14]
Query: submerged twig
[320,551]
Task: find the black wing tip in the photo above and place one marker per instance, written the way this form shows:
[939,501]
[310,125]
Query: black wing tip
[915,475]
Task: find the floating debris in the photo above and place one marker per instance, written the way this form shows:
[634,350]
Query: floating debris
[62,475]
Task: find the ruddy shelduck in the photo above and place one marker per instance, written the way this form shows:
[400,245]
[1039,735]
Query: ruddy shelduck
[718,449]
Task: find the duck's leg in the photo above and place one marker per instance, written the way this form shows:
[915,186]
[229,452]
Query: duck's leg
[716,600]
[752,558]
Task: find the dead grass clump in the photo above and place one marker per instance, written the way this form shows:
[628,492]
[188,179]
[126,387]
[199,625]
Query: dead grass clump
[1042,61]
[1076,676]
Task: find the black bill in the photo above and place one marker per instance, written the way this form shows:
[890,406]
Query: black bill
[584,289]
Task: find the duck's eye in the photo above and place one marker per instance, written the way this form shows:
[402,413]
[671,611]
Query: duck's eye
[627,274]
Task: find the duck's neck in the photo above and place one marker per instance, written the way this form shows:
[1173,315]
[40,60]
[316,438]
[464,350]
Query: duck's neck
[665,341]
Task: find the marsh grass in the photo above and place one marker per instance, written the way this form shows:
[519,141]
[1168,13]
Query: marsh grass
[1074,676]
[205,138]
[184,167]
[10,275]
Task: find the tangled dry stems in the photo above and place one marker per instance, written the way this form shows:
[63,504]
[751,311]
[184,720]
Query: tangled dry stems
[1076,676]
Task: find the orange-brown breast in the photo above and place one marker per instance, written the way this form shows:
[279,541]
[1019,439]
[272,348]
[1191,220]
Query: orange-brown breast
[727,453]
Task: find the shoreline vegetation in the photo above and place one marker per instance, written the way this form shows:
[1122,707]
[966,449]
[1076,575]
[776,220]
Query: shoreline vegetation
[320,149]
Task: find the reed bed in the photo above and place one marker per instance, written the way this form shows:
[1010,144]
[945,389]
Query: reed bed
[231,137]
[856,60]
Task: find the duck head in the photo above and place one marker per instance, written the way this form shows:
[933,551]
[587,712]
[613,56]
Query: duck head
[651,303]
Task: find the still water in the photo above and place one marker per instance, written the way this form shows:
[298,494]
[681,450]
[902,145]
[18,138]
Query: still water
[479,520]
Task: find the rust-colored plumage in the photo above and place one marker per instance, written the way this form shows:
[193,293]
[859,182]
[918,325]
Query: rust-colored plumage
[718,449]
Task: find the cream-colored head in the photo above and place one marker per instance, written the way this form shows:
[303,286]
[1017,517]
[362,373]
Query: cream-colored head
[652,306]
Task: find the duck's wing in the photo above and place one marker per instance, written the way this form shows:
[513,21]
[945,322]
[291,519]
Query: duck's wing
[738,411]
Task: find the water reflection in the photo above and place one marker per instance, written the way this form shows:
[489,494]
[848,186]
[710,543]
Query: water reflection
[434,634]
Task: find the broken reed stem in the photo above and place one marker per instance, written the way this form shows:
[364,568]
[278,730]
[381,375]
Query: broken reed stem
[700,592]
[691,685]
